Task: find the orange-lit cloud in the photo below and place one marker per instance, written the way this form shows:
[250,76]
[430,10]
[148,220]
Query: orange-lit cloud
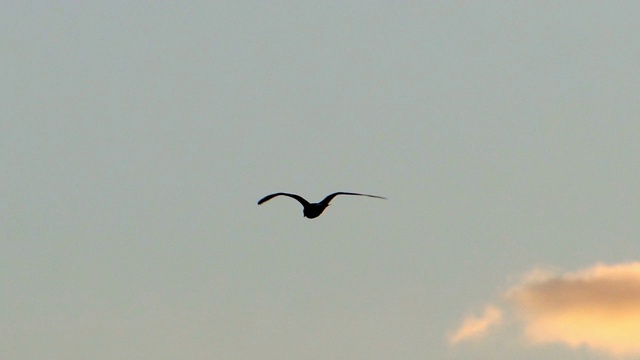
[597,308]
[474,327]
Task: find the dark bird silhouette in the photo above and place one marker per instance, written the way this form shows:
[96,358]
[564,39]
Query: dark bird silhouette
[313,210]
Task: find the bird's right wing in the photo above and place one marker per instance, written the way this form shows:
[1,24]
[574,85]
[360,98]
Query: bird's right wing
[330,197]
[297,197]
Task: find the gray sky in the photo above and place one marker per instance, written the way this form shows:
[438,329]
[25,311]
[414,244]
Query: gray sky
[136,139]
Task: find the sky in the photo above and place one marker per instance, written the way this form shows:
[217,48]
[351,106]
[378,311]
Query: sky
[136,139]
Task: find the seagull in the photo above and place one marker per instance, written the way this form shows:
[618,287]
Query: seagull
[313,210]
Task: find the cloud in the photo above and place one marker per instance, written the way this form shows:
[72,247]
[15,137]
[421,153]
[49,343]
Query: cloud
[597,308]
[475,327]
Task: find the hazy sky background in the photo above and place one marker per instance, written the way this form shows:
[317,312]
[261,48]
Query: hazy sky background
[136,139]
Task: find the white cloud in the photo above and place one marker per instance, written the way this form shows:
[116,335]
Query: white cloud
[475,327]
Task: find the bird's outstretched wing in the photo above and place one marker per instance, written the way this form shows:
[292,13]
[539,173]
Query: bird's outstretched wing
[328,199]
[297,197]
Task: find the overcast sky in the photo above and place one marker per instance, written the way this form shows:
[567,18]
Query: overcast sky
[136,139]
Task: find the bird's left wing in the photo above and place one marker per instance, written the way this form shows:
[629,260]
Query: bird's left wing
[300,199]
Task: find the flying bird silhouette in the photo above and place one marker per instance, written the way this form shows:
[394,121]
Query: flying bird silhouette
[313,210]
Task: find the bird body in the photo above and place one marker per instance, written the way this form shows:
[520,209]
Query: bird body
[313,210]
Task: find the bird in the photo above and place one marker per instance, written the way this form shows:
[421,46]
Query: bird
[313,210]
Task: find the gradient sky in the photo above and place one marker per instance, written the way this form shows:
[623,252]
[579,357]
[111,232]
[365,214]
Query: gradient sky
[136,139]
